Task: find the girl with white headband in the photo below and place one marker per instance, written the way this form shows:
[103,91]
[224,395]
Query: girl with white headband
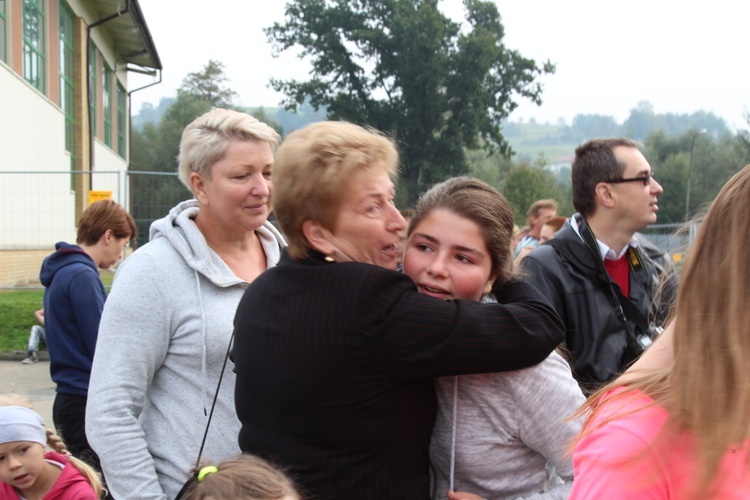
[27,471]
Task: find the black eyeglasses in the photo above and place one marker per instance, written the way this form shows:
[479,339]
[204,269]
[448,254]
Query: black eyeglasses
[645,180]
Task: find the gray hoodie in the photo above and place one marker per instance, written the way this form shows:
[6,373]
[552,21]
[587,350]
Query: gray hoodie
[162,341]
[505,435]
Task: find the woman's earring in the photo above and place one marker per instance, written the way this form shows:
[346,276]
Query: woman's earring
[328,258]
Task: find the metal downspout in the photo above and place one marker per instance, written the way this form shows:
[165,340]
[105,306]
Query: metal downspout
[88,83]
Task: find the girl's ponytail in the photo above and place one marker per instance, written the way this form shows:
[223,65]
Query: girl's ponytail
[92,476]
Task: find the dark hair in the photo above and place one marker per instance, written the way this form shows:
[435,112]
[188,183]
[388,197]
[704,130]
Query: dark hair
[595,162]
[100,216]
[480,203]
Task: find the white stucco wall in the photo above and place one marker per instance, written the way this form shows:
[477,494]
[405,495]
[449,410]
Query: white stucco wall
[35,207]
[106,161]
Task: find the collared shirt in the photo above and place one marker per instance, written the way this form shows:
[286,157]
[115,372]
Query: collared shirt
[525,242]
[604,250]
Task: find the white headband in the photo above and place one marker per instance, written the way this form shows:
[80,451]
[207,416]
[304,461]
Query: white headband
[21,424]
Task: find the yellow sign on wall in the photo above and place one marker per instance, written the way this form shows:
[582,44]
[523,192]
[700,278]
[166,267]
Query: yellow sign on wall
[99,195]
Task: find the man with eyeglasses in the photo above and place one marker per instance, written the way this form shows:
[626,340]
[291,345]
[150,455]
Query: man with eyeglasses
[599,273]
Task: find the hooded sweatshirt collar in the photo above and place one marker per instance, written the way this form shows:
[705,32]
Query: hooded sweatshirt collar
[66,255]
[180,229]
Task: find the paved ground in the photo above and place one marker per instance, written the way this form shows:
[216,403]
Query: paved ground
[32,381]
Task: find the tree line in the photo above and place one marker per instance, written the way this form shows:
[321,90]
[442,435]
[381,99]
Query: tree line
[443,90]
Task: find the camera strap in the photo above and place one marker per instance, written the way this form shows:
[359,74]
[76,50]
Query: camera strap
[625,305]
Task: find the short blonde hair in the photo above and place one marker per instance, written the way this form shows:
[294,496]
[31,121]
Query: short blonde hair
[316,167]
[204,142]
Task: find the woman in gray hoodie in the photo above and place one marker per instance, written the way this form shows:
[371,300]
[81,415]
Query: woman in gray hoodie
[167,323]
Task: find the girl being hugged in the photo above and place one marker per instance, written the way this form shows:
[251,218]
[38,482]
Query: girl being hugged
[498,434]
[677,426]
[28,472]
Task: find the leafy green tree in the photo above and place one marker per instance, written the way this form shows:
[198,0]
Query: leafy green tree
[527,183]
[406,69]
[586,127]
[303,115]
[209,85]
[743,137]
[260,114]
[643,121]
[156,145]
[715,160]
[492,169]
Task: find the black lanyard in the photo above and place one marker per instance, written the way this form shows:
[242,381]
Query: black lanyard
[208,424]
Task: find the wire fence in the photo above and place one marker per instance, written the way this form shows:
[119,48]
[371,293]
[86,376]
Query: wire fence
[37,209]
[151,195]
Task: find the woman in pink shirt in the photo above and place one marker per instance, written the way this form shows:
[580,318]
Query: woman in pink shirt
[679,426]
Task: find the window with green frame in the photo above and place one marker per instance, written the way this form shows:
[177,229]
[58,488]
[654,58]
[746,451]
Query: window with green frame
[107,104]
[33,43]
[66,73]
[2,30]
[92,88]
[122,108]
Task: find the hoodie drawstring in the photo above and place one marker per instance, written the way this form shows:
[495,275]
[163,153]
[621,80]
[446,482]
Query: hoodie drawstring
[205,340]
[453,432]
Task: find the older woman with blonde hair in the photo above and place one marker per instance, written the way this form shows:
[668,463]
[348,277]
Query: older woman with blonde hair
[676,424]
[335,351]
[167,324]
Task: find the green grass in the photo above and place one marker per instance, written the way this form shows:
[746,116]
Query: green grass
[17,312]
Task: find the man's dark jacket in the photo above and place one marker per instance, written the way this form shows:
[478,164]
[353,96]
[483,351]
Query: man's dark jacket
[568,274]
[336,362]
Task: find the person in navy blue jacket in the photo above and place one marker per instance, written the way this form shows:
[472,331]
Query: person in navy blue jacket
[73,300]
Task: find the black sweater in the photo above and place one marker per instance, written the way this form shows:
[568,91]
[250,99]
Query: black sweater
[335,365]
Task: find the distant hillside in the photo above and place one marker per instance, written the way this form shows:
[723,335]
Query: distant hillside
[530,141]
[149,113]
[287,120]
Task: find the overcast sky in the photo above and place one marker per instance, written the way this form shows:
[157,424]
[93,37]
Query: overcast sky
[682,56]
